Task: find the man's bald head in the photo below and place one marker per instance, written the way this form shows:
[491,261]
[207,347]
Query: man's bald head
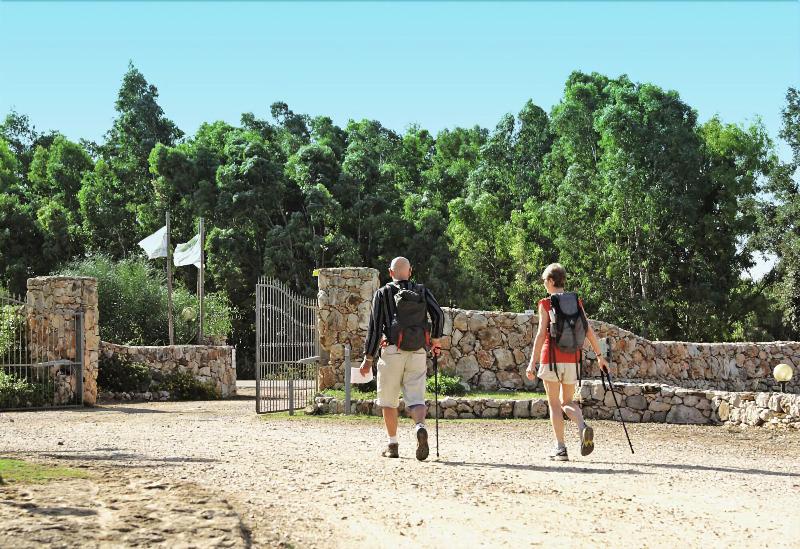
[400,268]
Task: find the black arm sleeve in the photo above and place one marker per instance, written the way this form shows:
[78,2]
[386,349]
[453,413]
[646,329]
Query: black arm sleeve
[375,329]
[436,314]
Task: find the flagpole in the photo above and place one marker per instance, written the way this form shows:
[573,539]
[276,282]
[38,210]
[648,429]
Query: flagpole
[169,286]
[201,281]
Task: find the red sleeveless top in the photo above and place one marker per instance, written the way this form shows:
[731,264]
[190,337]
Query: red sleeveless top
[561,356]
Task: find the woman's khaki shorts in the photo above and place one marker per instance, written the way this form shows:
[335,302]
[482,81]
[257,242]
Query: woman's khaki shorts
[567,372]
[406,369]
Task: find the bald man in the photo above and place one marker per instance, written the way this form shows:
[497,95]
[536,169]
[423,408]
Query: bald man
[400,331]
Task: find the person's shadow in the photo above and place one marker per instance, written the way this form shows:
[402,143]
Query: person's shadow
[555,468]
[719,469]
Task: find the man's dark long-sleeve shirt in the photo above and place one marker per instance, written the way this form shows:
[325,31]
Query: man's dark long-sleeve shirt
[384,310]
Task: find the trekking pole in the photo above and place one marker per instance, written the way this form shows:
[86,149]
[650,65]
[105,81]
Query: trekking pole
[611,386]
[436,396]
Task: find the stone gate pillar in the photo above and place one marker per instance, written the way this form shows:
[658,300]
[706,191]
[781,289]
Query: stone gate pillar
[345,300]
[54,294]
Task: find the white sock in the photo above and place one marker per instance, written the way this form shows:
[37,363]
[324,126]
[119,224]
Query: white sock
[418,426]
[393,440]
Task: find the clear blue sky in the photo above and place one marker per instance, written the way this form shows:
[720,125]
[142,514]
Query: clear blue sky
[436,64]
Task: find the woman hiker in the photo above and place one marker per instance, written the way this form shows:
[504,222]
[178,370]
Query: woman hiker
[558,369]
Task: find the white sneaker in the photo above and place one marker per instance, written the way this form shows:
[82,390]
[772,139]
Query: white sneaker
[559,453]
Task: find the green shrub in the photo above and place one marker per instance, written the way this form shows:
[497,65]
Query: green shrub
[11,321]
[16,392]
[118,374]
[448,385]
[134,304]
[184,386]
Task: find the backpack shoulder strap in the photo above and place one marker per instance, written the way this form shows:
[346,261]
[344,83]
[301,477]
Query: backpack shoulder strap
[554,306]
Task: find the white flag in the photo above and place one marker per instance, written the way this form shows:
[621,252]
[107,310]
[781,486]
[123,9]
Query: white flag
[155,245]
[188,253]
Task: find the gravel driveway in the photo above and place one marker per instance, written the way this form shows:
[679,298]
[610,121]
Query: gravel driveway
[319,482]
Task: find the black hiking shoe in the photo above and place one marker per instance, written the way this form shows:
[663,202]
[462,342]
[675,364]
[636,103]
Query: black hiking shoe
[391,451]
[422,444]
[587,440]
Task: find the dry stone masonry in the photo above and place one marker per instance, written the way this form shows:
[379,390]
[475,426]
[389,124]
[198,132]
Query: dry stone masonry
[206,363]
[639,403]
[345,300]
[490,350]
[55,300]
[449,407]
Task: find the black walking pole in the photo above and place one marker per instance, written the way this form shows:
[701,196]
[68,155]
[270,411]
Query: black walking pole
[436,396]
[611,386]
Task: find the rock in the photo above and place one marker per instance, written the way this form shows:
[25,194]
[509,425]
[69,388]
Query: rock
[723,411]
[485,358]
[762,400]
[690,400]
[467,343]
[467,367]
[522,408]
[477,322]
[448,402]
[660,406]
[631,416]
[466,415]
[539,409]
[487,380]
[460,322]
[450,413]
[490,338]
[685,415]
[491,412]
[658,417]
[505,359]
[326,378]
[628,390]
[637,402]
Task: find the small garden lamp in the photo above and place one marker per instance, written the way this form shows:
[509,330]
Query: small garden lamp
[782,373]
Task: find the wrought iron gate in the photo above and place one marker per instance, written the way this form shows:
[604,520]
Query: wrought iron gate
[287,348]
[41,356]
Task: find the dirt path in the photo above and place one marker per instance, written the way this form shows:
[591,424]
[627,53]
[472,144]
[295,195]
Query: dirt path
[319,483]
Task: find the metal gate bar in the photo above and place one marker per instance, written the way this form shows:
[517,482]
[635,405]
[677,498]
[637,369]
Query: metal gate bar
[41,356]
[287,348]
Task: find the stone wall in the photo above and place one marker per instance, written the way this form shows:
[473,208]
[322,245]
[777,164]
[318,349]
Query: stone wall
[449,407]
[490,350]
[638,403]
[53,302]
[654,403]
[345,300]
[216,364]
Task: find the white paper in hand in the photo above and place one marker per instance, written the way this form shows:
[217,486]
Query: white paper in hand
[356,377]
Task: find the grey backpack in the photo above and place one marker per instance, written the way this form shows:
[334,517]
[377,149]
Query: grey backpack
[568,329]
[409,329]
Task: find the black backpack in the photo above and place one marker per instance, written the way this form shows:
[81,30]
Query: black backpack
[568,326]
[409,329]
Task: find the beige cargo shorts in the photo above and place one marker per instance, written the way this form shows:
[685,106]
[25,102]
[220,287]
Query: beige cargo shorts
[406,370]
